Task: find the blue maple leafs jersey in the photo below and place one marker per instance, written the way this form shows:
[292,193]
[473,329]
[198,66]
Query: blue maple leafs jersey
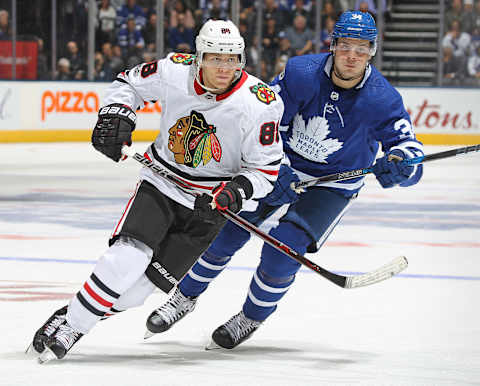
[327,129]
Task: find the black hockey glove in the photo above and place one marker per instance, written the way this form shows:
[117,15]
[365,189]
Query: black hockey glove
[224,196]
[113,130]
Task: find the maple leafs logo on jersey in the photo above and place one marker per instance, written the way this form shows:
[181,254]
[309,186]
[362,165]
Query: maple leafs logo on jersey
[310,140]
[193,141]
[185,59]
[263,93]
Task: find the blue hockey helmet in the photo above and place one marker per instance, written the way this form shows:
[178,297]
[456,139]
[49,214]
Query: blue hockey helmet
[356,25]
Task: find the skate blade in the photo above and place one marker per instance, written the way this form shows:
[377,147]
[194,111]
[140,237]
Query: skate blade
[46,356]
[148,334]
[31,351]
[212,346]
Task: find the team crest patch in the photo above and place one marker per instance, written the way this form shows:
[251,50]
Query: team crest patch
[263,93]
[193,141]
[185,59]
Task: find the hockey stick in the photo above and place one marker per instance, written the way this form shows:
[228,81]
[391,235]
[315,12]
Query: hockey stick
[301,185]
[395,266]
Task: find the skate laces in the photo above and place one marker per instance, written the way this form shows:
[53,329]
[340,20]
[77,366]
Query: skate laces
[175,307]
[53,325]
[239,325]
[67,335]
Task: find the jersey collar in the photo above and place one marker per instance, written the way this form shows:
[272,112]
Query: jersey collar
[328,70]
[199,90]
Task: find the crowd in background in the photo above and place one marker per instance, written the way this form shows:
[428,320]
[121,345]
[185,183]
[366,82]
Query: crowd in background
[461,44]
[125,34]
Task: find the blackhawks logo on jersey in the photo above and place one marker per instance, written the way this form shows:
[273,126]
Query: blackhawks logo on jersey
[185,59]
[193,141]
[263,93]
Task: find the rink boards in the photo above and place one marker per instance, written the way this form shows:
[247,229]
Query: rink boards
[67,111]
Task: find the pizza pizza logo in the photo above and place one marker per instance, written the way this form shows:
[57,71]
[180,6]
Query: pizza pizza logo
[193,141]
[263,93]
[185,59]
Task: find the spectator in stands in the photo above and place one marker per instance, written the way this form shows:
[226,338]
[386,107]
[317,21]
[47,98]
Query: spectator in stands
[5,33]
[129,10]
[328,11]
[247,8]
[107,17]
[326,34]
[285,52]
[453,68]
[181,38]
[272,11]
[458,41]
[42,62]
[130,39]
[63,70]
[369,6]
[269,45]
[473,67]
[468,17]
[454,13]
[214,9]
[115,62]
[149,33]
[300,36]
[298,8]
[180,6]
[77,62]
[289,5]
[102,71]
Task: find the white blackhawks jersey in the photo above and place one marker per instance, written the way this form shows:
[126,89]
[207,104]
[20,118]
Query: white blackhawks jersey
[205,138]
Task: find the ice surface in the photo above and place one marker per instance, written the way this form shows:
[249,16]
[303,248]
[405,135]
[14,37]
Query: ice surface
[58,206]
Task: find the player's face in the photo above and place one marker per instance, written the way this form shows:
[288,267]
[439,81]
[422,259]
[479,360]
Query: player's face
[351,58]
[218,70]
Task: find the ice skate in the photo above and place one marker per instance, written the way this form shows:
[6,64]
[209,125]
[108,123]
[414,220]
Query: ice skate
[58,344]
[43,333]
[229,335]
[169,313]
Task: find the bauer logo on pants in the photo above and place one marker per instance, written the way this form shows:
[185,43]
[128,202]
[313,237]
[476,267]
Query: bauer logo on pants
[162,271]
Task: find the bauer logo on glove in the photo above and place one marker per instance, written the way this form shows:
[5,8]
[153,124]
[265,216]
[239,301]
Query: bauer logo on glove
[120,110]
[113,130]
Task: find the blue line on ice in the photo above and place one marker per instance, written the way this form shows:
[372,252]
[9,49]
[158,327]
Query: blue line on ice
[81,261]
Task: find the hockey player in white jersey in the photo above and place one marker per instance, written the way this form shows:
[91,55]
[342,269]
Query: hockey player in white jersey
[338,108]
[218,134]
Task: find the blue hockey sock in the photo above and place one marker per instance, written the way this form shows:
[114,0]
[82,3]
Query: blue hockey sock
[276,272]
[207,268]
[263,295]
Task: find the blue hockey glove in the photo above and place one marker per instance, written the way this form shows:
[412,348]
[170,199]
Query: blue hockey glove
[282,193]
[390,171]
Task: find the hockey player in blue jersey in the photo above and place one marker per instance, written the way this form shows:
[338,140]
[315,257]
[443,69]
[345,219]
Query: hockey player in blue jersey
[338,108]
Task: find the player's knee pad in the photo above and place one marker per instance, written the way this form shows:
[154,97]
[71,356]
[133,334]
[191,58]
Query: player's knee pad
[123,263]
[230,239]
[116,271]
[136,295]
